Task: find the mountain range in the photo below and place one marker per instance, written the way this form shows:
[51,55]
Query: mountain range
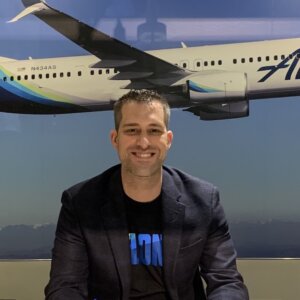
[272,239]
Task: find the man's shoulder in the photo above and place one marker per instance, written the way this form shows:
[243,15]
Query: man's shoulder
[94,185]
[190,187]
[181,177]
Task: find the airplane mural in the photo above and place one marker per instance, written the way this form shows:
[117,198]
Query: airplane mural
[213,82]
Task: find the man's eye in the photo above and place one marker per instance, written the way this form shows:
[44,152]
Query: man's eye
[155,131]
[130,131]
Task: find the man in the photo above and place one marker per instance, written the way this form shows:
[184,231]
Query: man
[141,230]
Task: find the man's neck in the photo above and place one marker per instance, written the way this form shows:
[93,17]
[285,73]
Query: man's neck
[142,189]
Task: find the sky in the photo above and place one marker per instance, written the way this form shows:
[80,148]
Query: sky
[254,161]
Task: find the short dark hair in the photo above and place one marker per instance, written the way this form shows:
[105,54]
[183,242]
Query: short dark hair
[140,96]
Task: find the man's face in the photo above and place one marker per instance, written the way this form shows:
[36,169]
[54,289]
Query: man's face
[142,140]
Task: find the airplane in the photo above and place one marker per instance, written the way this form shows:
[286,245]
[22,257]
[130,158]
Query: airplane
[213,82]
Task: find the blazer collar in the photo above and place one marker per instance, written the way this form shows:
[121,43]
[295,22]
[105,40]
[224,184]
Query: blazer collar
[115,223]
[172,221]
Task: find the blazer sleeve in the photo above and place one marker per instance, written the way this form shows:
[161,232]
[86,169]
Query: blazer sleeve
[218,262]
[69,267]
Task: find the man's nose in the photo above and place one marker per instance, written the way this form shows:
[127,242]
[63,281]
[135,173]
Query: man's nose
[143,141]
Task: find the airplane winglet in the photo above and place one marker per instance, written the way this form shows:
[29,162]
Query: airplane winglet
[183,45]
[28,3]
[28,10]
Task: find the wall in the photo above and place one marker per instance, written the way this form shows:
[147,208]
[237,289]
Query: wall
[266,279]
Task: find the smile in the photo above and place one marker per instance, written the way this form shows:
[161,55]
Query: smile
[143,155]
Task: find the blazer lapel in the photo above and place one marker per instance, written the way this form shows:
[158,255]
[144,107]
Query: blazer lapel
[173,217]
[115,224]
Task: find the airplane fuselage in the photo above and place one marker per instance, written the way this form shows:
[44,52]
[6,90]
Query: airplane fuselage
[271,67]
[70,84]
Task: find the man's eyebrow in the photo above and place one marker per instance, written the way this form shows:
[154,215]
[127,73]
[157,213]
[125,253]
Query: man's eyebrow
[159,126]
[137,124]
[130,124]
[156,124]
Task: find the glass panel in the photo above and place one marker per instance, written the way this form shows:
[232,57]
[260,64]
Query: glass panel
[254,161]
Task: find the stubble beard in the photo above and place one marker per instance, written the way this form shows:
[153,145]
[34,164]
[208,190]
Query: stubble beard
[142,172]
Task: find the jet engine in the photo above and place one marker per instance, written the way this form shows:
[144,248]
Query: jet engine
[216,87]
[218,95]
[221,111]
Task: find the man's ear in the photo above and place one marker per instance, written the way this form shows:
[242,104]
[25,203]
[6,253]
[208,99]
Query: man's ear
[170,138]
[114,138]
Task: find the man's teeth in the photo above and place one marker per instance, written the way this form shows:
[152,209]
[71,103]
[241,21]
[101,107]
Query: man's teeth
[143,155]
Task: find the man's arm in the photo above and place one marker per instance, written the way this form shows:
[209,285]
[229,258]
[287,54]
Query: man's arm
[69,267]
[218,262]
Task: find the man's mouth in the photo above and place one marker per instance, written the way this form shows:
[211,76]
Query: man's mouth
[143,155]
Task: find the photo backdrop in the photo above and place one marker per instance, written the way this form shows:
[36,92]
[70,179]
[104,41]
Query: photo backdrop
[254,161]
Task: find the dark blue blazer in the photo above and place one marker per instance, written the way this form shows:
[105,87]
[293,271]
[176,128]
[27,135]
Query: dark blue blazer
[91,256]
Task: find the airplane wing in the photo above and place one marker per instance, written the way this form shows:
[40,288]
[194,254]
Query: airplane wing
[145,71]
[132,64]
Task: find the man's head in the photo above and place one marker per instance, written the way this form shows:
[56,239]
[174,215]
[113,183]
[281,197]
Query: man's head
[141,97]
[141,137]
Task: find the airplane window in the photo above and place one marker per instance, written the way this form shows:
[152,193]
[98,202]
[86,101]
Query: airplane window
[92,72]
[259,58]
[235,61]
[267,58]
[100,71]
[212,62]
[198,64]
[219,62]
[25,77]
[243,60]
[47,75]
[19,77]
[282,56]
[11,78]
[107,71]
[4,78]
[205,63]
[79,73]
[69,74]
[61,74]
[32,76]
[275,57]
[40,76]
[54,75]
[291,56]
[184,65]
[251,59]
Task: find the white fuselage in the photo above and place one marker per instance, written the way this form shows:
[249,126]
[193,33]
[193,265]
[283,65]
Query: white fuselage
[243,57]
[72,80]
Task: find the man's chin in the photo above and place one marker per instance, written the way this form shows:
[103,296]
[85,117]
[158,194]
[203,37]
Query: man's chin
[144,172]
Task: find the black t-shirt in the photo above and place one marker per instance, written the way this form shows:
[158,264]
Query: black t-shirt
[145,238]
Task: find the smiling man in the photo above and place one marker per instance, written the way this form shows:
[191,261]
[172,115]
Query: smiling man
[141,230]
[142,141]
